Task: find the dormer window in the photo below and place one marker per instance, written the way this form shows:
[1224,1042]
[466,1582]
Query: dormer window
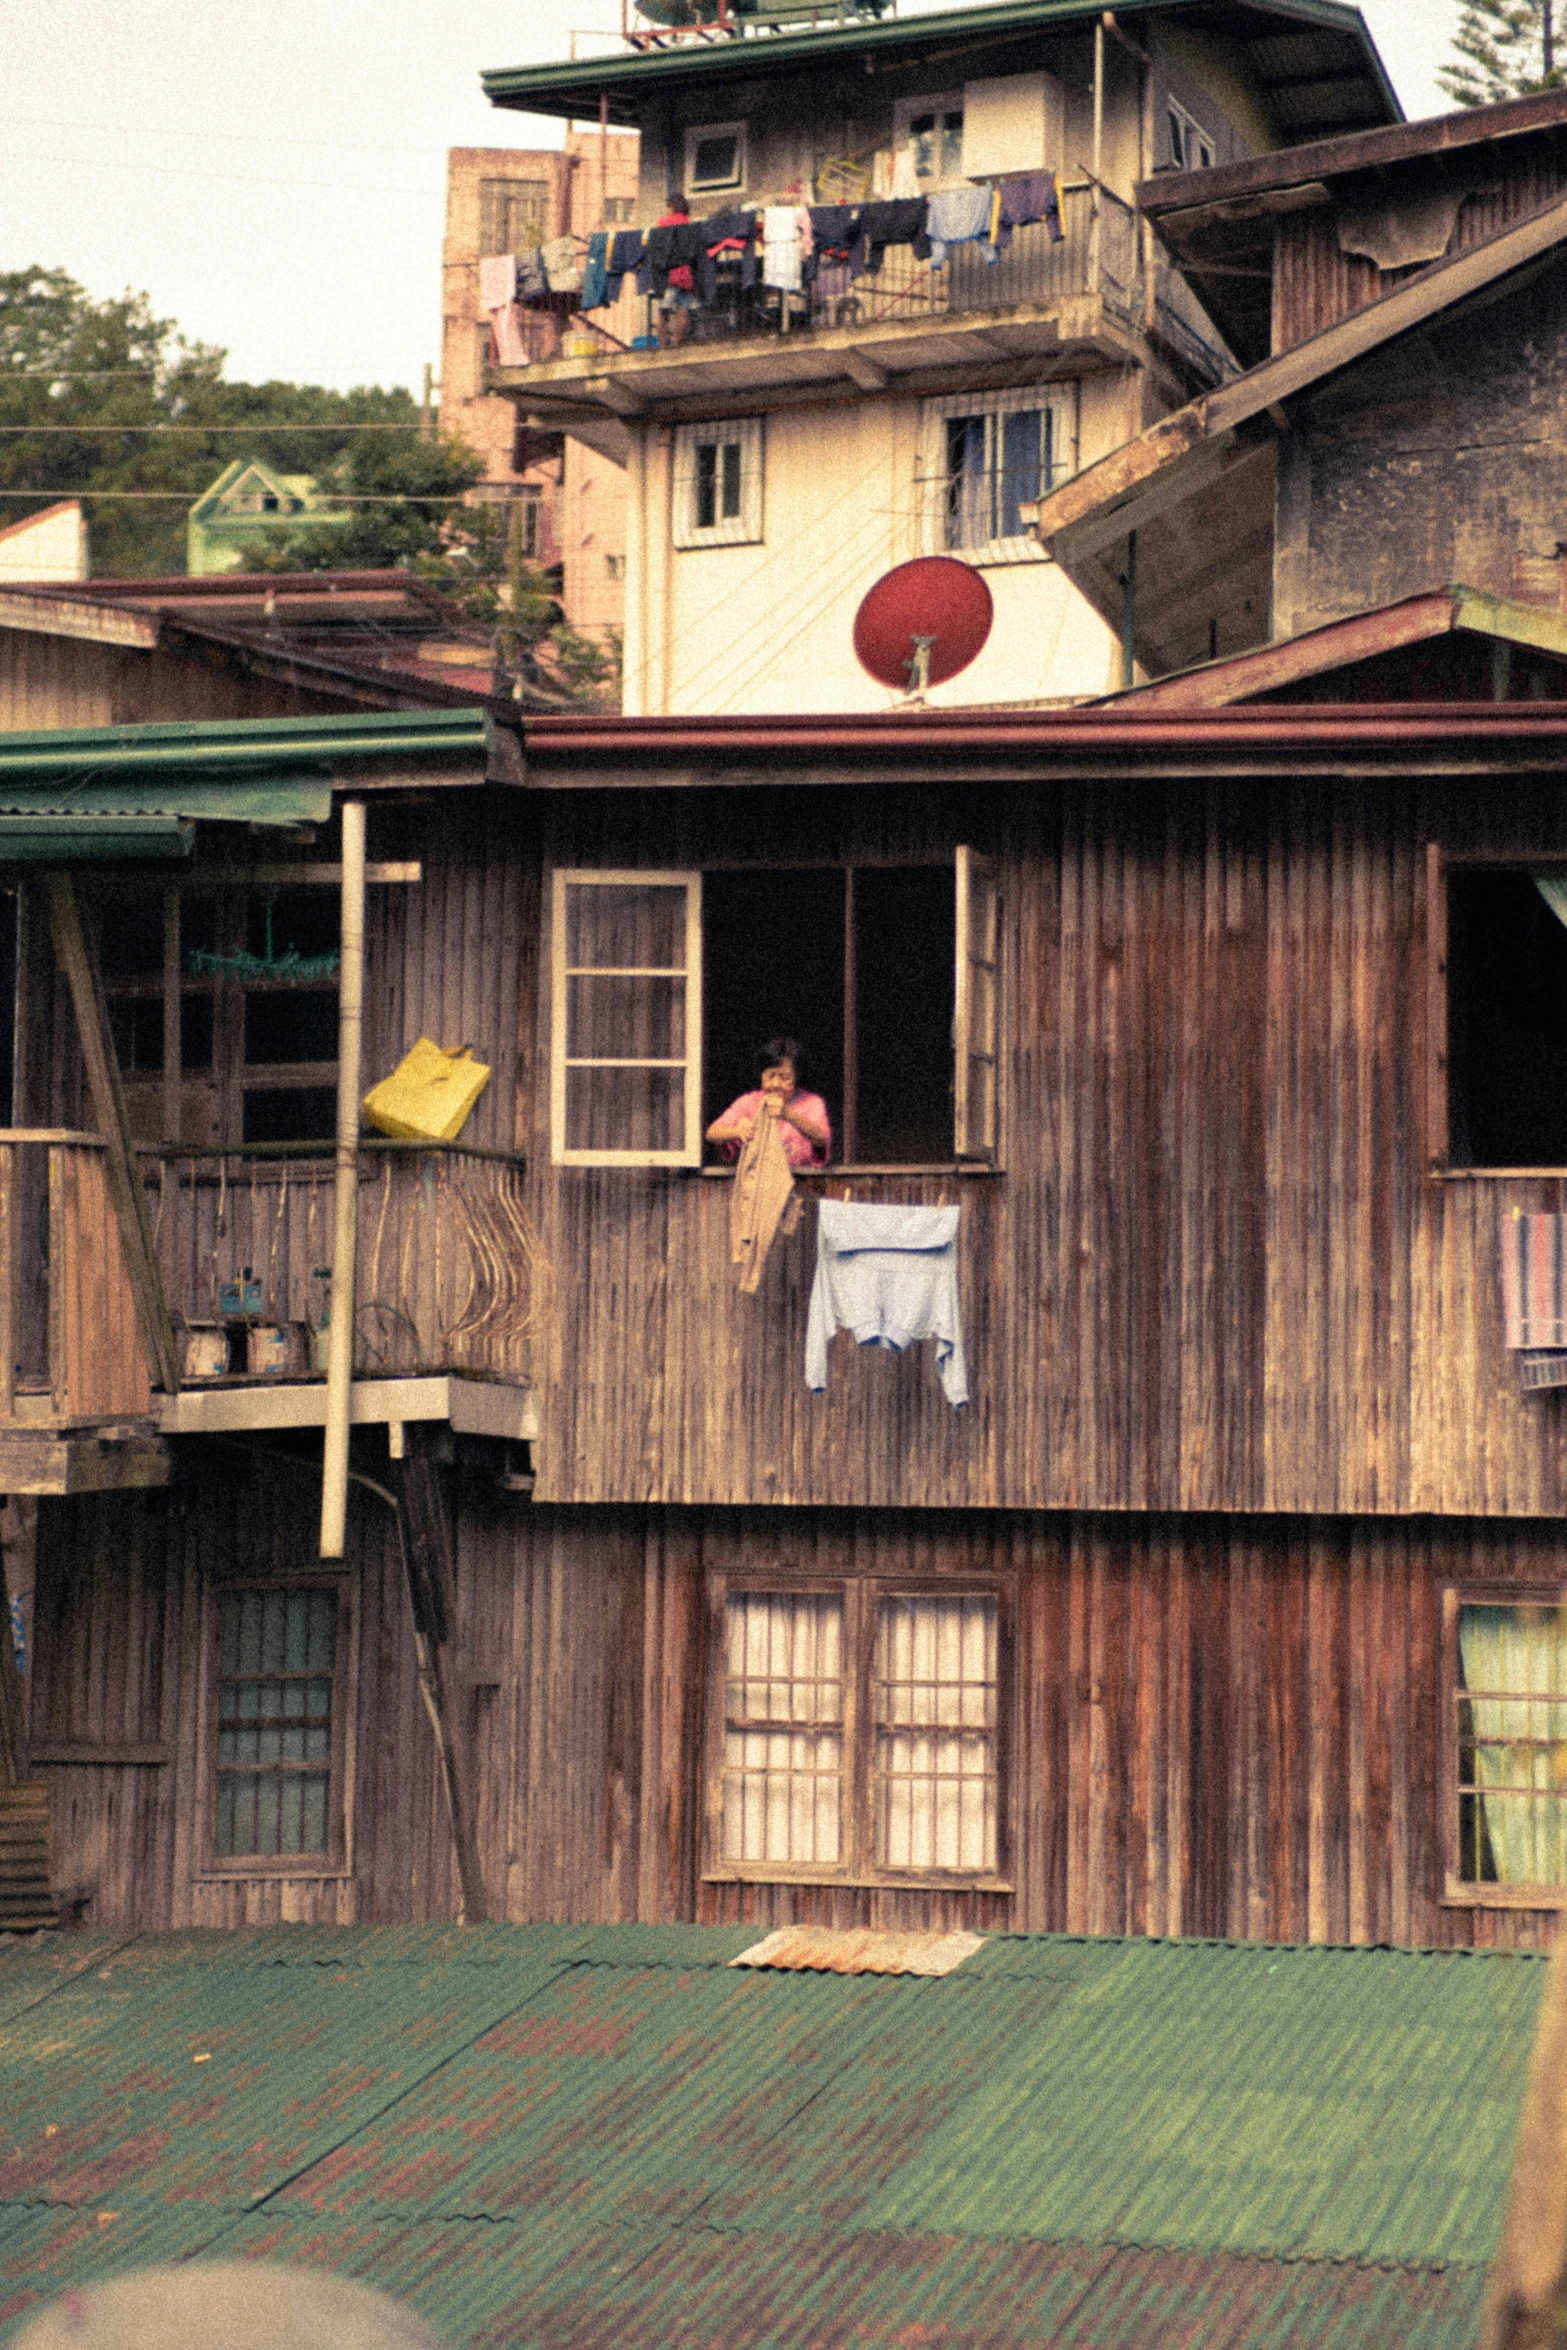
[715,158]
[1191,148]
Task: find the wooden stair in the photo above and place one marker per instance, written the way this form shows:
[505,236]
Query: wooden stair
[26,1900]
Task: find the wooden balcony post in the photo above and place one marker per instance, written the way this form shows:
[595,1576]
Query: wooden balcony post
[108,1099]
[427,1561]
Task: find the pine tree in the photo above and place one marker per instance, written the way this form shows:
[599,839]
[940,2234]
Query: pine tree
[1504,49]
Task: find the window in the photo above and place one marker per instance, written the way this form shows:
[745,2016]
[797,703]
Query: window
[513,215]
[715,157]
[856,1733]
[987,463]
[618,210]
[625,1074]
[276,1728]
[1505,1016]
[928,144]
[1191,149]
[236,989]
[897,1005]
[718,484]
[1506,1745]
[614,567]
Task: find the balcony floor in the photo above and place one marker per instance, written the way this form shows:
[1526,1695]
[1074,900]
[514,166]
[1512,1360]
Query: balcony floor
[470,1406]
[927,354]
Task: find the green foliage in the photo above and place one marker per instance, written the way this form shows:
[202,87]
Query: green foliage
[150,375]
[1503,49]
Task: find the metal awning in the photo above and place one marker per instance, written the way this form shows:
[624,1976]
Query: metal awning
[149,815]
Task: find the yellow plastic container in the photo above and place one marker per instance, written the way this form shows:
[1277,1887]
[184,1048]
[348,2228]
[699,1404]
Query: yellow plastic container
[429,1094]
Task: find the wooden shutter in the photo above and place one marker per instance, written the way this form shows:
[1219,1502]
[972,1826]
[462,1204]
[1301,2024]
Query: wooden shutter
[976,1010]
[1437,1142]
[626,1025]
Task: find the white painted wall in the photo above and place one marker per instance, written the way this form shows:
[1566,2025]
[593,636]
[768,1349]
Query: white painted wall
[47,546]
[769,627]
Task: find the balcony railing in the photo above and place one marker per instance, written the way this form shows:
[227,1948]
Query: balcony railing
[71,1350]
[1097,253]
[450,1274]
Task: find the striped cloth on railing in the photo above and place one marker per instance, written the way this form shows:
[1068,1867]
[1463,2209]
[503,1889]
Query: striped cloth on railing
[1534,1296]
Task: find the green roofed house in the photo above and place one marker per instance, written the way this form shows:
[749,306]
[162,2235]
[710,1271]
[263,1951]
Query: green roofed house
[231,521]
[677,2137]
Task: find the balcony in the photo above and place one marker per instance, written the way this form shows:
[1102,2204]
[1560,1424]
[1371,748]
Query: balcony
[452,1288]
[1043,308]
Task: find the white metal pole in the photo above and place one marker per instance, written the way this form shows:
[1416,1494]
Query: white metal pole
[350,1026]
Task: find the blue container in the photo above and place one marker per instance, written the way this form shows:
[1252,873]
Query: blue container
[242,1297]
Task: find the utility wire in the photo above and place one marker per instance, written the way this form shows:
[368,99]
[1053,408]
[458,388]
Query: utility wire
[244,179]
[205,431]
[343,498]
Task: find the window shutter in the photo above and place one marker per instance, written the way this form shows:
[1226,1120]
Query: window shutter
[626,1026]
[975,1023]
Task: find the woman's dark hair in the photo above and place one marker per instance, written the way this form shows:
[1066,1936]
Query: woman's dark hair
[780,1048]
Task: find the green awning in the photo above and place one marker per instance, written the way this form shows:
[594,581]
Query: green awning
[149,816]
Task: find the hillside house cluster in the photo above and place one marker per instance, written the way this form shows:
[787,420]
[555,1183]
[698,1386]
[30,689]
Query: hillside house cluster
[429,1529]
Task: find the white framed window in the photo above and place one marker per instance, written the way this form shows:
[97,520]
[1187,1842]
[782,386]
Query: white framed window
[718,484]
[715,158]
[988,459]
[1191,147]
[927,138]
[626,1025]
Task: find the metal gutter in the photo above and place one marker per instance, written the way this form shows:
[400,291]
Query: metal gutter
[565,89]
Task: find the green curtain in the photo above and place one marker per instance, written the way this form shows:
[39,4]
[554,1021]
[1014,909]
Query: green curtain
[1553,888]
[1513,1665]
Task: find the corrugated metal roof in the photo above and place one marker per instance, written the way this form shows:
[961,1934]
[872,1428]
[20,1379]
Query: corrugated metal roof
[562,2134]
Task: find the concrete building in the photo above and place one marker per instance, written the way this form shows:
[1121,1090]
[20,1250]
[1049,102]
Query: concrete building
[917,406]
[511,200]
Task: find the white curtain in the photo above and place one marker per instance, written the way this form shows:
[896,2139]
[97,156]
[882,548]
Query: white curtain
[783,1727]
[1514,1669]
[935,1755]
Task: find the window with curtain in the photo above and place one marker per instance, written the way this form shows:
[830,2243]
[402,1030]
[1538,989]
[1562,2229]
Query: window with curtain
[1509,1675]
[275,1724]
[988,461]
[858,1734]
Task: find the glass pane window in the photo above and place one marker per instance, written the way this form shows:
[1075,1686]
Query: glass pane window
[936,144]
[1512,1745]
[627,983]
[277,1665]
[934,1762]
[783,1728]
[995,464]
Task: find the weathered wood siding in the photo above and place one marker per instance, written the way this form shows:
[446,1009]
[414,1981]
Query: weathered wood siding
[71,681]
[1215,1273]
[1224,1725]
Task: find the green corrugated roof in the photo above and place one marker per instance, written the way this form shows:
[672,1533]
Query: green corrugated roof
[637,79]
[226,746]
[542,2134]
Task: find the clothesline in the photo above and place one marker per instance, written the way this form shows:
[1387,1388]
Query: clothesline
[786,247]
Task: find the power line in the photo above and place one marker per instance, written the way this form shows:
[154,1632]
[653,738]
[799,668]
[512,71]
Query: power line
[62,375]
[338,498]
[141,130]
[206,431]
[244,179]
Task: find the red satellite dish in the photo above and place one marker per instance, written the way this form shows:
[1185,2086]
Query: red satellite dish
[934,607]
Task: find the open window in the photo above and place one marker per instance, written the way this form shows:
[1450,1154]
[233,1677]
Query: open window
[1505,1746]
[987,459]
[222,1002]
[715,158]
[858,1732]
[1498,1015]
[927,138]
[1190,146]
[889,975]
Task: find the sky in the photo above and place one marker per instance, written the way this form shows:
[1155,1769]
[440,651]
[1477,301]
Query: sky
[271,172]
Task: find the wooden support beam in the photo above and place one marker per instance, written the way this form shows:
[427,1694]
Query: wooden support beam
[108,1099]
[862,369]
[427,1559]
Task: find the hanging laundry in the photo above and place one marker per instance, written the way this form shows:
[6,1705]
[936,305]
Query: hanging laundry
[497,281]
[595,277]
[782,247]
[670,254]
[994,239]
[1534,1297]
[532,284]
[729,238]
[763,1203]
[1028,197]
[832,234]
[508,347]
[877,226]
[625,257]
[955,217]
[889,1274]
[497,298]
[562,265]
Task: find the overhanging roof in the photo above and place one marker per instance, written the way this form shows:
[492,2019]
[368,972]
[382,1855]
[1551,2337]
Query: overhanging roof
[1085,523]
[612,2136]
[235,746]
[1342,644]
[1311,57]
[1219,224]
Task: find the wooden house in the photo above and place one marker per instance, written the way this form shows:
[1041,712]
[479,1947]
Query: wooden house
[1164,1632]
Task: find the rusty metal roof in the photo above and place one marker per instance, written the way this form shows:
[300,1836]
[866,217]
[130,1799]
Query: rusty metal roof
[558,2135]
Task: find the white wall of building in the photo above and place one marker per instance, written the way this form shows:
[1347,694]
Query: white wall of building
[768,627]
[47,546]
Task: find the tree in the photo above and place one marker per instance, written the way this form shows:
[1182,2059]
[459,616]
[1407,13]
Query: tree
[90,378]
[1504,49]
